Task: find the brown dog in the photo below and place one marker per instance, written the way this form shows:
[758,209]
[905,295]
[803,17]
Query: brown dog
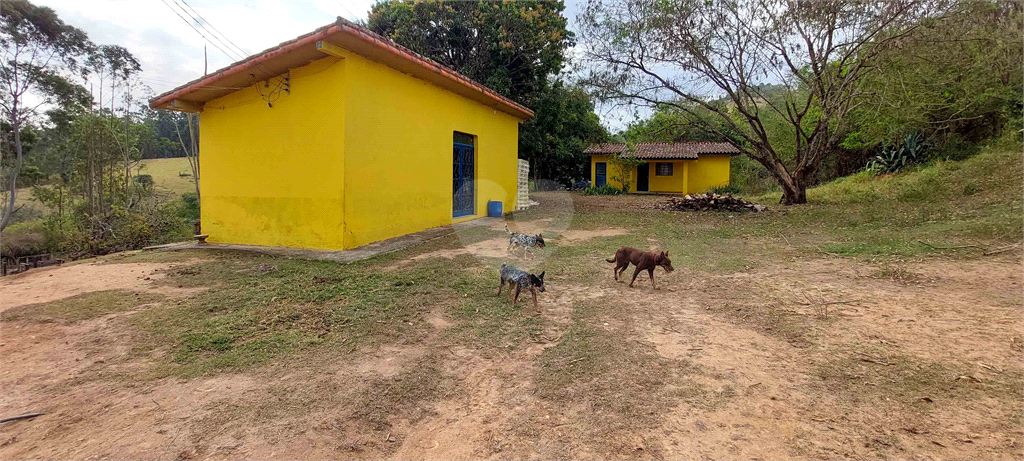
[643,260]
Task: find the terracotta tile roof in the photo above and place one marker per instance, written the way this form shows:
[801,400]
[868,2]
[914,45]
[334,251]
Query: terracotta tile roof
[665,150]
[302,50]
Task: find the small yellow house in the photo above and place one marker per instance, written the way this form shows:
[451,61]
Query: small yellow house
[685,168]
[340,138]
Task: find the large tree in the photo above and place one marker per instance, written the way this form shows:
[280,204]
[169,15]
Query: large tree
[554,140]
[515,48]
[40,51]
[511,47]
[689,54]
[962,77]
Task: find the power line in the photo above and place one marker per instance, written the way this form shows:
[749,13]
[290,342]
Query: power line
[354,17]
[206,22]
[198,32]
[200,23]
[270,97]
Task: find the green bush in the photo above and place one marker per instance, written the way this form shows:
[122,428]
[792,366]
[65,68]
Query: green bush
[895,158]
[724,189]
[606,189]
[30,175]
[23,239]
[189,206]
[145,180]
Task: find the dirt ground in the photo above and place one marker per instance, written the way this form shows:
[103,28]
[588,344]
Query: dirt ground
[54,283]
[821,357]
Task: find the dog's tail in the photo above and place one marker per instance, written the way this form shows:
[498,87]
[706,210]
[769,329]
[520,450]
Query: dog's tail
[507,231]
[611,260]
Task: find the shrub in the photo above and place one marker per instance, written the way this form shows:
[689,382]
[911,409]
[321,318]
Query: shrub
[893,159]
[189,206]
[144,180]
[30,175]
[606,189]
[724,189]
[23,239]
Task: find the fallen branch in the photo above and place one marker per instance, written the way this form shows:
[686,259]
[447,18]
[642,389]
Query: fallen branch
[958,247]
[1002,250]
[20,417]
[990,367]
[879,362]
[830,303]
[867,358]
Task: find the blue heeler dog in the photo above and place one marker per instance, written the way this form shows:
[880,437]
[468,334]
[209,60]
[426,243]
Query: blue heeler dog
[522,281]
[527,242]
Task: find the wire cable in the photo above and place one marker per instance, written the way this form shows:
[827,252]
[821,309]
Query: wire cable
[206,22]
[354,17]
[197,31]
[275,92]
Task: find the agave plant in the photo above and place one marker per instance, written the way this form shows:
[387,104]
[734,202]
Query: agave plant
[892,159]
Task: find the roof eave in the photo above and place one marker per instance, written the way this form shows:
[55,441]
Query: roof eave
[428,70]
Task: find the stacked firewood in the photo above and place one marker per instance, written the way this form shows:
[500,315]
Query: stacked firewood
[708,202]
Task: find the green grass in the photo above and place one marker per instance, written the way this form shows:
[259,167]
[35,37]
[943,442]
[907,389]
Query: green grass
[167,174]
[262,307]
[81,307]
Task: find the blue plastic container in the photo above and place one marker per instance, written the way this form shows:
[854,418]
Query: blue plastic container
[494,209]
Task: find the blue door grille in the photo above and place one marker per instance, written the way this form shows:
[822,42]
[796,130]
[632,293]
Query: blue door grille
[600,174]
[462,180]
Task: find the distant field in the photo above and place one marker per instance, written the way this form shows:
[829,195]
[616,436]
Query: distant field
[166,173]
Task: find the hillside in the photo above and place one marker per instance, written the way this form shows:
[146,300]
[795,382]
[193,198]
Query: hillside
[975,201]
[167,174]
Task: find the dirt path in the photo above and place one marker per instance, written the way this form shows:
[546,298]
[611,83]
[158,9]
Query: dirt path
[54,283]
[924,362]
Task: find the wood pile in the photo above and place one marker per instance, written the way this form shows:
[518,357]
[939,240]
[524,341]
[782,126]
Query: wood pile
[709,202]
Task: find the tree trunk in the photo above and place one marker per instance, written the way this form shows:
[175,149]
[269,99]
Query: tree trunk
[794,194]
[794,184]
[15,170]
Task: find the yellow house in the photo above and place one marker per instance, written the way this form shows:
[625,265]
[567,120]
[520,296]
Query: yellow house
[340,138]
[684,168]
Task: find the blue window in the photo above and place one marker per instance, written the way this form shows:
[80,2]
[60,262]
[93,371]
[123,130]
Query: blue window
[600,174]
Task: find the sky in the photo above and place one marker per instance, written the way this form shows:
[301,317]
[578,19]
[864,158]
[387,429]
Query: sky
[171,51]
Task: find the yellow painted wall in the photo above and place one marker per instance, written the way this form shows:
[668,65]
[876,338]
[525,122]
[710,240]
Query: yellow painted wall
[275,176]
[688,176]
[674,183]
[708,171]
[357,153]
[399,152]
[614,174]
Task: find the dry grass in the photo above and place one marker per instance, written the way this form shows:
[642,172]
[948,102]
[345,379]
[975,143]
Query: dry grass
[170,175]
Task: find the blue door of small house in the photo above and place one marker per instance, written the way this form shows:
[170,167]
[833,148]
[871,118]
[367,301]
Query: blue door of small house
[462,176]
[600,174]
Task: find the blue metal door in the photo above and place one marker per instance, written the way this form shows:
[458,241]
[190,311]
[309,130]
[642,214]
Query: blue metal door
[600,174]
[462,180]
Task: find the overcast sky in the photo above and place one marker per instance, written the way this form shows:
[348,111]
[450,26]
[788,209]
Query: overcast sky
[171,52]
